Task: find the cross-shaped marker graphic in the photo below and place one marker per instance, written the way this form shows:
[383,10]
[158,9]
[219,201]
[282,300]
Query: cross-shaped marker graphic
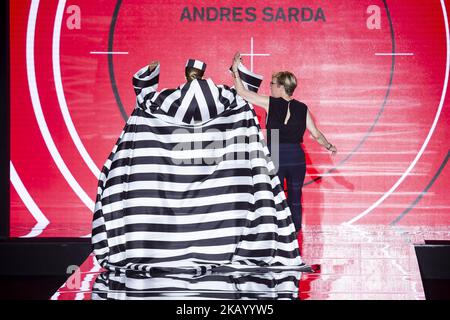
[252,54]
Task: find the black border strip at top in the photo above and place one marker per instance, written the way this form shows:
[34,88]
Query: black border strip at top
[4,121]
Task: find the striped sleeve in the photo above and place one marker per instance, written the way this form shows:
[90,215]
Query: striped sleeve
[250,80]
[145,84]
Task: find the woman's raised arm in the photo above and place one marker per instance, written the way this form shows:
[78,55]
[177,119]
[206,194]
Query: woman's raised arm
[250,96]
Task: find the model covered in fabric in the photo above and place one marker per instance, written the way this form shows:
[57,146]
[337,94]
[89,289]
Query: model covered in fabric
[189,184]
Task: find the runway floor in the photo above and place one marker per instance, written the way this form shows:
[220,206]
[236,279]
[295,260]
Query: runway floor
[349,262]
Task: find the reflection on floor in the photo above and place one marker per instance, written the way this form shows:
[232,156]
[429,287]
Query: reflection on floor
[350,262]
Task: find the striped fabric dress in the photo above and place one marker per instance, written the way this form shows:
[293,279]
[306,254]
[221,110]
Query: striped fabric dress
[190,185]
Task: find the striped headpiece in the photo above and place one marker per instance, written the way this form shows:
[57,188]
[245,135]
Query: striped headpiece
[196,64]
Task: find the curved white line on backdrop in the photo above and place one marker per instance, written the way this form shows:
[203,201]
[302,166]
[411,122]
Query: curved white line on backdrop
[35,231]
[60,91]
[31,76]
[38,215]
[430,133]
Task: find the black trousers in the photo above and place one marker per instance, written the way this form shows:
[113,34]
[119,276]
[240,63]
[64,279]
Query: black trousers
[292,166]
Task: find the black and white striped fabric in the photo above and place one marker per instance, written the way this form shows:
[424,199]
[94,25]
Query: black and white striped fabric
[236,285]
[190,184]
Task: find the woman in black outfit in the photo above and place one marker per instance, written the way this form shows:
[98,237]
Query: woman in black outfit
[290,117]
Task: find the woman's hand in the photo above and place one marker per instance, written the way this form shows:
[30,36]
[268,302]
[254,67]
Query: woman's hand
[153,64]
[236,60]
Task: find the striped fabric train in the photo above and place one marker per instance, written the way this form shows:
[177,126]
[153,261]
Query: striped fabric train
[236,285]
[190,184]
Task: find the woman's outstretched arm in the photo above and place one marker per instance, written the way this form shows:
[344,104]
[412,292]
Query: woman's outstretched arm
[250,96]
[317,135]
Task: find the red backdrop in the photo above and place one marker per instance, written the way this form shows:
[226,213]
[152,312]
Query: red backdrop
[378,94]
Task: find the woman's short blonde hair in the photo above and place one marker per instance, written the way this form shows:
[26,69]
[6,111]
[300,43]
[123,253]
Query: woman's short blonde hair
[287,80]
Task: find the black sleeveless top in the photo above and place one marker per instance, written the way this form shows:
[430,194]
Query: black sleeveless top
[293,131]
